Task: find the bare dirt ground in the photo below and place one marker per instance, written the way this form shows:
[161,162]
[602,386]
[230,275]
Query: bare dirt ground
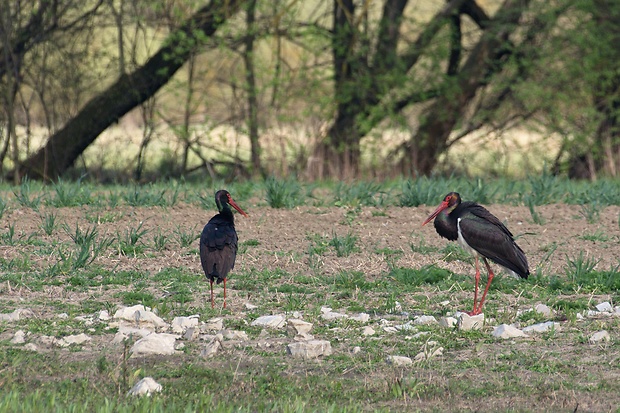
[282,239]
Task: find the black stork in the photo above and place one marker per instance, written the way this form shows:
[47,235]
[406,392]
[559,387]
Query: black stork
[481,234]
[218,242]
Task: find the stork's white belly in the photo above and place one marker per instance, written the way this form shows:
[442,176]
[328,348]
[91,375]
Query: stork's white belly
[462,241]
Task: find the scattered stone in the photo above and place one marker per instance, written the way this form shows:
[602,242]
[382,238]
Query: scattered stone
[466,322]
[591,313]
[126,333]
[399,360]
[421,334]
[145,387]
[309,349]
[238,335]
[19,337]
[604,307]
[599,336]
[544,310]
[368,331]
[296,326]
[249,306]
[73,339]
[332,315]
[408,326]
[63,316]
[31,347]
[617,311]
[272,321]
[303,337]
[425,355]
[103,315]
[87,320]
[17,315]
[181,324]
[361,317]
[507,331]
[211,348]
[47,341]
[214,324]
[140,315]
[155,343]
[191,334]
[542,327]
[448,322]
[424,320]
[390,329]
[444,303]
[356,349]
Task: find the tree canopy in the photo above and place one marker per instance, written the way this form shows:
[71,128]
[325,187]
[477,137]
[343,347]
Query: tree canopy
[340,73]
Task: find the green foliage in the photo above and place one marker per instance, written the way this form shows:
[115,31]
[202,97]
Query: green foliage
[344,245]
[283,193]
[359,193]
[428,274]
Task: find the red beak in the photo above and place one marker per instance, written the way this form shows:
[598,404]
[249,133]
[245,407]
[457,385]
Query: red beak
[234,205]
[432,216]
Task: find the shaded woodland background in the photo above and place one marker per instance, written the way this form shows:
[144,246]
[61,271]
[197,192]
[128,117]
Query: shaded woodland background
[320,89]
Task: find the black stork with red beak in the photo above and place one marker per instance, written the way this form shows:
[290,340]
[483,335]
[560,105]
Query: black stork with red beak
[481,234]
[218,242]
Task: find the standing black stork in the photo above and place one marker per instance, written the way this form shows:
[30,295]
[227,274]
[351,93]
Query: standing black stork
[218,242]
[481,234]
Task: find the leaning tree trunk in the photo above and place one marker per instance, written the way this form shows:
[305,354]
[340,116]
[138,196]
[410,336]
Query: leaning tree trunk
[66,145]
[422,151]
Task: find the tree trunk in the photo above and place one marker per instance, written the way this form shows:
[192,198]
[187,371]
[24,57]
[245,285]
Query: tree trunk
[64,147]
[438,121]
[250,77]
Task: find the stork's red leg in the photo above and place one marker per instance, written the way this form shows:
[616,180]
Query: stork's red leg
[224,292]
[212,300]
[491,275]
[477,282]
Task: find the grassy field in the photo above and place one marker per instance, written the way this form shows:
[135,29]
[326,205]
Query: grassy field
[71,250]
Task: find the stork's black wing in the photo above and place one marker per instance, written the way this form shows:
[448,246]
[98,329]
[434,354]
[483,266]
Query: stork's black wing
[218,248]
[490,237]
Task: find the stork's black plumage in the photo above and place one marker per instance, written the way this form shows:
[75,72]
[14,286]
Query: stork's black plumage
[218,242]
[480,233]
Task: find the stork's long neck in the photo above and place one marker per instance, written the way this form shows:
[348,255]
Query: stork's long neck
[446,225]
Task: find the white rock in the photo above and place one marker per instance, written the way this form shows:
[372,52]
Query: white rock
[542,327]
[249,306]
[145,387]
[408,326]
[309,349]
[180,324]
[63,316]
[303,337]
[73,339]
[272,321]
[296,326]
[103,315]
[368,331]
[543,309]
[507,331]
[235,335]
[191,334]
[326,309]
[155,343]
[332,315]
[604,307]
[356,349]
[599,336]
[421,334]
[17,315]
[140,316]
[466,322]
[214,324]
[617,311]
[424,320]
[361,317]
[444,303]
[391,329]
[31,347]
[211,348]
[448,322]
[47,340]
[399,360]
[591,313]
[19,337]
